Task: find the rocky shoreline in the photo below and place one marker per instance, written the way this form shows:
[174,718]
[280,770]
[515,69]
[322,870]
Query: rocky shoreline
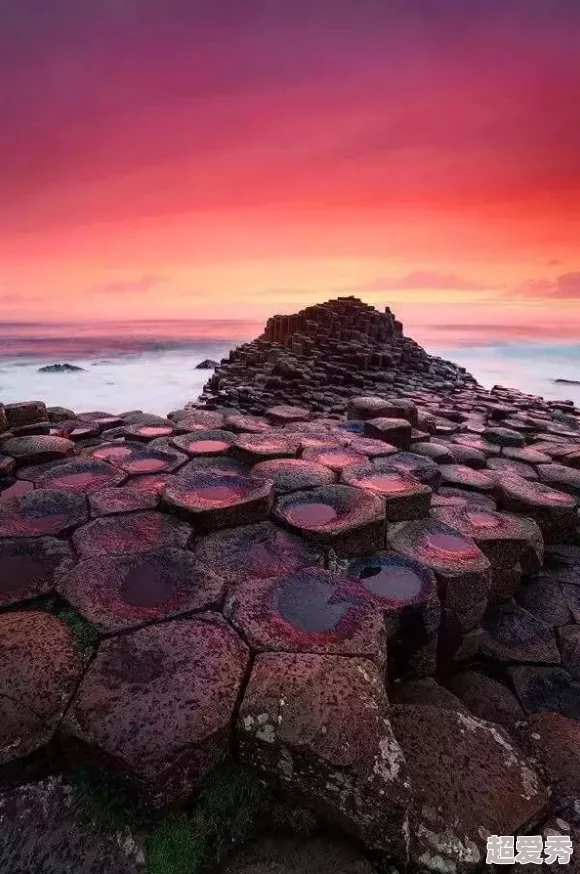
[349,568]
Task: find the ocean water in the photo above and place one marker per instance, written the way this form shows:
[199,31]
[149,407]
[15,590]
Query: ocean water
[151,367]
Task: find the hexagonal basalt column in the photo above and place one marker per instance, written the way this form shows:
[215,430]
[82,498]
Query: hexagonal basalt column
[108,502]
[139,458]
[80,475]
[213,499]
[455,808]
[255,552]
[504,437]
[406,592]
[465,478]
[308,610]
[37,449]
[282,415]
[397,432]
[131,532]
[351,521]
[199,420]
[423,469]
[293,474]
[372,448]
[147,432]
[318,725]
[39,669]
[337,458]
[554,511]
[560,477]
[30,567]
[404,496]
[158,704]
[502,537]
[512,634]
[249,424]
[43,512]
[204,443]
[131,590]
[461,568]
[253,448]
[25,413]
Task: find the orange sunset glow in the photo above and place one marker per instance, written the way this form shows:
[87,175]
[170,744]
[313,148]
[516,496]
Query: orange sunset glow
[227,160]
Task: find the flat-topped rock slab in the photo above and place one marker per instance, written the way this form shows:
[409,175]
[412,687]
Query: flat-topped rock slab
[204,443]
[80,475]
[41,513]
[39,669]
[30,567]
[139,458]
[404,496]
[131,532]
[37,448]
[457,561]
[293,474]
[308,610]
[126,591]
[350,520]
[255,552]
[157,704]
[214,499]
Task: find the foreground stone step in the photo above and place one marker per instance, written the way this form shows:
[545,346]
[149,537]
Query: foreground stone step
[39,669]
[42,834]
[318,724]
[468,782]
[157,704]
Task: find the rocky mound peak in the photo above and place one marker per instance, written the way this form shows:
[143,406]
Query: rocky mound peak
[325,354]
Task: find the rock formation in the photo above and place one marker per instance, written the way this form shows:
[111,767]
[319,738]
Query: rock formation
[378,609]
[322,356]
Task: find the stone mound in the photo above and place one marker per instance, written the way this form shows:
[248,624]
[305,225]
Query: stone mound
[325,355]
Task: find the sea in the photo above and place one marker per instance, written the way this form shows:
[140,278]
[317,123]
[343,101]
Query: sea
[151,366]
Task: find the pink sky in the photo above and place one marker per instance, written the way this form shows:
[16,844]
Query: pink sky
[229,160]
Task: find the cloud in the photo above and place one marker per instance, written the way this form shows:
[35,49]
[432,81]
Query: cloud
[131,286]
[422,280]
[563,287]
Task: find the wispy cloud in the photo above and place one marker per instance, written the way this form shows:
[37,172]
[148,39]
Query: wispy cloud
[563,287]
[421,280]
[130,286]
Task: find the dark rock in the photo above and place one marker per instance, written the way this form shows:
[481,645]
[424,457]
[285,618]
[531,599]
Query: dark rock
[468,782]
[486,698]
[27,413]
[130,532]
[123,592]
[207,364]
[39,670]
[37,449]
[44,512]
[60,368]
[42,833]
[308,610]
[554,741]
[352,521]
[318,724]
[255,551]
[157,704]
[514,635]
[292,855]
[542,688]
[30,567]
[214,499]
[426,693]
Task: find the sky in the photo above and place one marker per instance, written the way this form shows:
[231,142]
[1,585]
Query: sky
[230,159]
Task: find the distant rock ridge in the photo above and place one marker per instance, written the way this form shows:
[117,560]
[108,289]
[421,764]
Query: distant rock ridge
[60,368]
[325,354]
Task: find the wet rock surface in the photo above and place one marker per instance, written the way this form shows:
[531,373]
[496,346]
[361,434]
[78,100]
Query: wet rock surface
[341,520]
